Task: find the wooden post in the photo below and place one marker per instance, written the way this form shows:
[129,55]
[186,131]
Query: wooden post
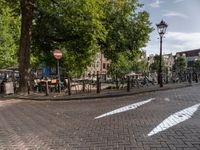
[29,87]
[69,86]
[46,88]
[98,83]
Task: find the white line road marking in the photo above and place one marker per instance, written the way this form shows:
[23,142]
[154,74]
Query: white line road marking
[125,108]
[167,99]
[175,119]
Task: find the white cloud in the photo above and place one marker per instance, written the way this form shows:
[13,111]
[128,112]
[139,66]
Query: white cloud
[174,42]
[179,41]
[156,4]
[178,1]
[174,14]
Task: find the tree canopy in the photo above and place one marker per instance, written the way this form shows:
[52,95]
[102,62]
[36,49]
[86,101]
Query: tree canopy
[154,67]
[72,26]
[128,30]
[180,64]
[197,65]
[80,28]
[120,67]
[9,36]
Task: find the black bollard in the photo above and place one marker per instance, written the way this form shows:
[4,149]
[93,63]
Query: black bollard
[128,84]
[83,86]
[196,77]
[98,83]
[117,83]
[190,79]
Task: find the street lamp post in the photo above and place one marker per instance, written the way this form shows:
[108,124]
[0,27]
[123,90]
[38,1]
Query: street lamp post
[161,27]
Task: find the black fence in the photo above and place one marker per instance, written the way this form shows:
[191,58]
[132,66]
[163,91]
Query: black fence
[97,84]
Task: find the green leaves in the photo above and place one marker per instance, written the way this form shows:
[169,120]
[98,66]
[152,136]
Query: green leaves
[154,67]
[72,26]
[197,65]
[80,28]
[9,36]
[128,30]
[180,64]
[120,67]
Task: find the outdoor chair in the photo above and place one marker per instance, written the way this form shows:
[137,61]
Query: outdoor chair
[53,84]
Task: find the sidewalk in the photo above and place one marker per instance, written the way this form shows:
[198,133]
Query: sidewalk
[106,93]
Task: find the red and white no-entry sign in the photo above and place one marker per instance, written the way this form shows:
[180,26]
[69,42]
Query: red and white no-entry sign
[57,54]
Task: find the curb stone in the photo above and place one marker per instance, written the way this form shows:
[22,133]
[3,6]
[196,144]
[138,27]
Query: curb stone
[96,96]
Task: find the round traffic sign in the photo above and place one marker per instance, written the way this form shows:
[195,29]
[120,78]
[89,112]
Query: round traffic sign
[57,54]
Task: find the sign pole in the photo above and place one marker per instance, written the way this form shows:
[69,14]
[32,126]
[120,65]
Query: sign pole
[58,55]
[58,69]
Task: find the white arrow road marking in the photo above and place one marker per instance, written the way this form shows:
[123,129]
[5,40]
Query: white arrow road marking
[125,108]
[174,119]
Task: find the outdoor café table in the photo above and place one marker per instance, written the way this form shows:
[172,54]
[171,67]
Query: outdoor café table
[41,84]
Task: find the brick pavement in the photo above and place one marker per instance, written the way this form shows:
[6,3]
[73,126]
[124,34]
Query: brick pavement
[70,125]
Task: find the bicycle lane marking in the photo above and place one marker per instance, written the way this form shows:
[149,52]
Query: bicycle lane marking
[125,108]
[175,119]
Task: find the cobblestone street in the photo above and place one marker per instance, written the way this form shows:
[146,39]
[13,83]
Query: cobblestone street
[74,125]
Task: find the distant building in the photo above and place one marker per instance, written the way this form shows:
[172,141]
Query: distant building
[99,65]
[191,56]
[150,60]
[169,62]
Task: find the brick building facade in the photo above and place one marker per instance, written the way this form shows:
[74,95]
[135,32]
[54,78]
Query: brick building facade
[99,65]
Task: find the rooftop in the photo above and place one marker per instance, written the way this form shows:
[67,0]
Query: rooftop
[190,53]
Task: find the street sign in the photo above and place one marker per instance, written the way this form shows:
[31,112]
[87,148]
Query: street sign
[57,54]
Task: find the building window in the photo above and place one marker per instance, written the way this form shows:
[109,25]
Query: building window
[104,65]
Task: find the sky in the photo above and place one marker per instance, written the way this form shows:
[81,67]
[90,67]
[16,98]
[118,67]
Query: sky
[183,19]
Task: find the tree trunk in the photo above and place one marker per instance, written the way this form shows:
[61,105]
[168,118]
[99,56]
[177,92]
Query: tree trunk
[25,42]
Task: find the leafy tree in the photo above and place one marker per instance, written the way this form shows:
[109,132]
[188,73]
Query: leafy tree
[25,44]
[9,36]
[79,28]
[180,64]
[72,26]
[25,9]
[154,67]
[125,64]
[139,64]
[197,65]
[128,29]
[120,67]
